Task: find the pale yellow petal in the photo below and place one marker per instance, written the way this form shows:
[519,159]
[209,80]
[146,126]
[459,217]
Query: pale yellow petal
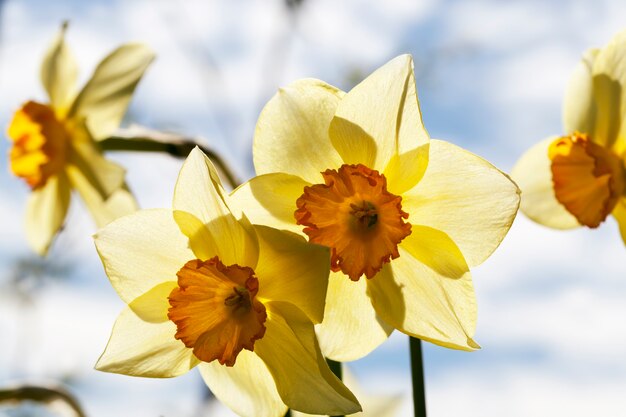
[59,73]
[466,197]
[619,212]
[142,348]
[579,107]
[270,200]
[292,355]
[247,388]
[105,97]
[351,328]
[424,302]
[153,305]
[379,117]
[405,170]
[533,175]
[609,81]
[46,212]
[292,270]
[291,134]
[199,192]
[142,250]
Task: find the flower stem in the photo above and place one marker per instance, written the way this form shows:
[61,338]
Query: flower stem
[178,146]
[417,376]
[41,394]
[336,368]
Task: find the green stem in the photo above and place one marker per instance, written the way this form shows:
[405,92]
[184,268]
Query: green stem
[417,376]
[176,146]
[337,370]
[40,394]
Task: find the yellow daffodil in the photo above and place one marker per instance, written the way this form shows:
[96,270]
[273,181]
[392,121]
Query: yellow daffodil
[55,145]
[579,179]
[239,301]
[405,217]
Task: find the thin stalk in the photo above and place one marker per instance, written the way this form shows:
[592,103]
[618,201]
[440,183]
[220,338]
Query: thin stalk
[176,146]
[337,370]
[41,394]
[417,376]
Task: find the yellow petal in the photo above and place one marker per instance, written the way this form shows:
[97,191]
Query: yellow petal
[619,212]
[466,197]
[579,107]
[351,328]
[609,81]
[379,117]
[46,212]
[141,348]
[291,134]
[292,270]
[199,192]
[142,250]
[105,97]
[270,200]
[405,170]
[247,387]
[152,306]
[292,355]
[533,175]
[59,73]
[422,301]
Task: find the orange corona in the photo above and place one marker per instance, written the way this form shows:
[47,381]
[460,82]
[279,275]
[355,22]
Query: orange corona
[216,311]
[588,179]
[354,215]
[40,144]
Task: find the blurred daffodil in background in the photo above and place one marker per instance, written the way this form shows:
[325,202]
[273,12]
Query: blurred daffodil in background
[55,144]
[405,216]
[204,288]
[578,179]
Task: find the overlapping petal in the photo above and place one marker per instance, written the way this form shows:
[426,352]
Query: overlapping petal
[154,354]
[291,134]
[247,388]
[425,303]
[142,262]
[466,197]
[59,73]
[534,177]
[304,381]
[379,117]
[46,212]
[270,199]
[619,212]
[105,97]
[292,270]
[199,192]
[579,107]
[351,328]
[609,81]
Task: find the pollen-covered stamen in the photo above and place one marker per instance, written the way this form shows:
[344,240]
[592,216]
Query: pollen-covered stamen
[588,179]
[364,213]
[216,311]
[354,215]
[40,144]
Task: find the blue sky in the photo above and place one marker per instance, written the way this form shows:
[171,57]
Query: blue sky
[490,78]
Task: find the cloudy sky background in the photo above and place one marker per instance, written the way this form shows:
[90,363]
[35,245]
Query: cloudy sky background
[490,78]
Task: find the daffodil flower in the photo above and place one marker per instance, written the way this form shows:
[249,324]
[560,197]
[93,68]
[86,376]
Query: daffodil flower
[55,145]
[579,179]
[405,217]
[239,301]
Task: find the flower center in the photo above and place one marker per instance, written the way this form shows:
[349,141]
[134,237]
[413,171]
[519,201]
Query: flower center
[216,311]
[40,144]
[354,215]
[588,179]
